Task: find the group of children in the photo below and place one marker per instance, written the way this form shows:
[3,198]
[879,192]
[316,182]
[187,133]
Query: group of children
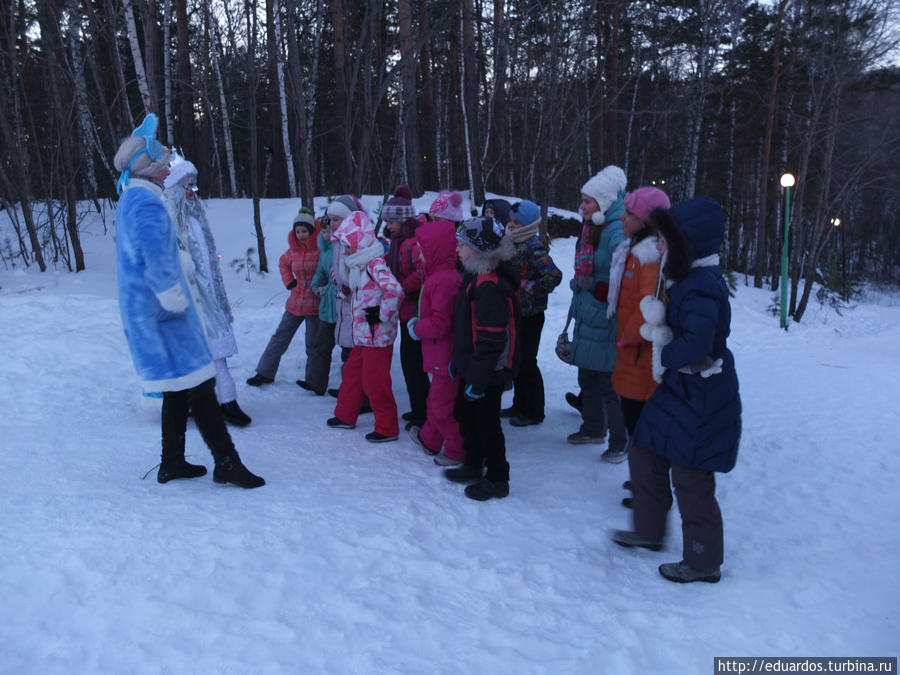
[466,296]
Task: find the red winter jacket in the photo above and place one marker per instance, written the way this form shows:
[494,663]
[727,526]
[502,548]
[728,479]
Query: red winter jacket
[299,263]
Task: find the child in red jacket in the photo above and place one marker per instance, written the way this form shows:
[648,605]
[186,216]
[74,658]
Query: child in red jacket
[434,328]
[297,266]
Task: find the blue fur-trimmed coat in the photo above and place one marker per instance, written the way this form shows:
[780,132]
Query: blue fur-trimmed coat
[690,420]
[169,350]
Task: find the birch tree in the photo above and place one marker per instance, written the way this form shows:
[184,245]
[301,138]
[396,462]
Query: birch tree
[136,55]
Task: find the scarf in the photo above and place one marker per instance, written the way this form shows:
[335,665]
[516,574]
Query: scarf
[407,230]
[616,271]
[524,233]
[356,263]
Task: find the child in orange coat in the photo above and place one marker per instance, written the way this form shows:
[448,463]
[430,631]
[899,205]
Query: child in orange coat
[634,273]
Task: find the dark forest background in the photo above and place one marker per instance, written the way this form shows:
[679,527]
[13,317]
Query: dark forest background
[295,98]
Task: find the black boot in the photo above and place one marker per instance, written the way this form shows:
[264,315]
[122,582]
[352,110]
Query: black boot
[230,469]
[464,474]
[233,414]
[486,489]
[172,470]
[259,380]
[174,421]
[573,400]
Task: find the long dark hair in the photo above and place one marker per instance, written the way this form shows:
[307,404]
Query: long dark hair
[679,251]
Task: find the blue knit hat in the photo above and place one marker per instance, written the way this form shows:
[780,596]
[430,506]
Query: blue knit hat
[526,212]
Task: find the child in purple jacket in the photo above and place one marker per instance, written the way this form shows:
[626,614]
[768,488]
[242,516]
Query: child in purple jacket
[434,327]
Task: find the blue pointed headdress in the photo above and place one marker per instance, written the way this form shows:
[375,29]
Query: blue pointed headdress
[147,131]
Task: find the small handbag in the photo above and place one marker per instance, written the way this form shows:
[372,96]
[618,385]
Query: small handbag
[563,345]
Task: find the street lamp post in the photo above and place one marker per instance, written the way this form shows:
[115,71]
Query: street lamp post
[787,182]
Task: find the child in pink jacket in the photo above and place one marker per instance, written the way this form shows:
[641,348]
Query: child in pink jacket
[376,295]
[434,327]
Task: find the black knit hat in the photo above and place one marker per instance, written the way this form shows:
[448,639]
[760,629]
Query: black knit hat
[482,233]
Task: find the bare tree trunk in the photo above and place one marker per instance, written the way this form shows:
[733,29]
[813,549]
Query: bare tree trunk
[185,81]
[118,70]
[49,20]
[411,149]
[345,133]
[252,84]
[13,135]
[282,100]
[151,49]
[223,104]
[429,144]
[167,70]
[762,233]
[138,59]
[85,124]
[469,100]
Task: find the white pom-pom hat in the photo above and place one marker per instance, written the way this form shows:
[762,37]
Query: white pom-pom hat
[604,188]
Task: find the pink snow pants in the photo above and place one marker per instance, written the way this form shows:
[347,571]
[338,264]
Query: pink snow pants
[368,370]
[441,427]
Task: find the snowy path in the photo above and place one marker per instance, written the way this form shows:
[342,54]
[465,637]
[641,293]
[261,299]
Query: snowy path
[358,558]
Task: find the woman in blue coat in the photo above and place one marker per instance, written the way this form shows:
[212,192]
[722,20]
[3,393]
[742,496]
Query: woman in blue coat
[162,326]
[692,423]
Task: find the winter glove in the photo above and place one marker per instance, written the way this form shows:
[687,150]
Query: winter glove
[471,395]
[528,286]
[581,284]
[705,367]
[713,368]
[601,291]
[291,285]
[653,310]
[410,327]
[318,290]
[173,299]
[373,316]
[451,370]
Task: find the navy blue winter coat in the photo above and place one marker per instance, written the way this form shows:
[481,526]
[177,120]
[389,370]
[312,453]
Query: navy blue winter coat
[690,420]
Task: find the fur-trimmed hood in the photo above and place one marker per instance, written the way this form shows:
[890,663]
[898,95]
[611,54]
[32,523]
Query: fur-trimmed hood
[483,262]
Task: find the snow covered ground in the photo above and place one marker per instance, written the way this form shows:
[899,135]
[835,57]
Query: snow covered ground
[361,558]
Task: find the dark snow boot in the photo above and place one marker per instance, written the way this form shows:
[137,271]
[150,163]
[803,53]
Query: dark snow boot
[259,380]
[573,400]
[683,574]
[233,414]
[338,423]
[463,474]
[375,437]
[230,469]
[486,489]
[172,470]
[630,539]
[508,412]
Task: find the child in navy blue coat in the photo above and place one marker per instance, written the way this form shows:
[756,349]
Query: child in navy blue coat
[691,425]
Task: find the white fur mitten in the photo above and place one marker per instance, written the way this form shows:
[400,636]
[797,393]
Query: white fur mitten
[653,310]
[714,368]
[173,299]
